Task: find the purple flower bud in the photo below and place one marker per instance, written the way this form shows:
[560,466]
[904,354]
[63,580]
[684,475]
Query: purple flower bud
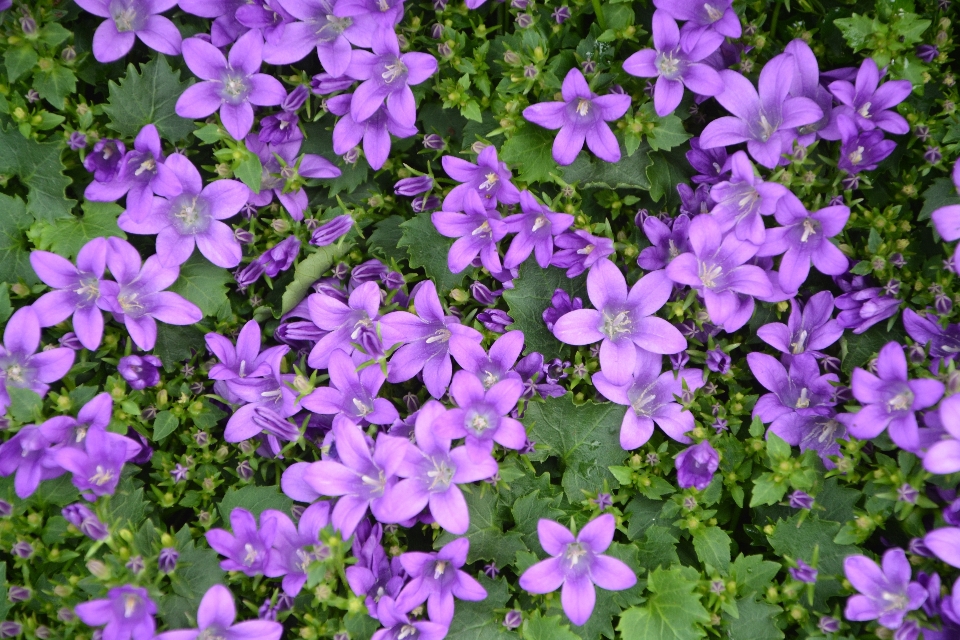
[916,353]
[603,501]
[482,294]
[897,260]
[801,500]
[922,132]
[18,594]
[906,493]
[9,628]
[927,52]
[70,341]
[104,161]
[433,141]
[29,25]
[77,141]
[444,50]
[80,516]
[281,256]
[804,572]
[426,203]
[136,564]
[249,274]
[560,304]
[696,465]
[519,4]
[167,560]
[413,186]
[284,601]
[140,372]
[942,303]
[280,128]
[331,231]
[588,67]
[831,364]
[179,473]
[439,5]
[919,548]
[267,611]
[5,508]
[851,182]
[66,614]
[436,31]
[411,402]
[329,287]
[514,617]
[242,235]
[718,361]
[393,280]
[22,549]
[909,630]
[352,156]
[679,360]
[561,14]
[295,98]
[617,90]
[524,20]
[42,632]
[69,54]
[495,320]
[828,624]
[323,84]
[933,155]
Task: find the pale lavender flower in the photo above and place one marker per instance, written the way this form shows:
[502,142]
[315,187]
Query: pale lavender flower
[579,250]
[696,466]
[397,625]
[944,455]
[247,549]
[20,364]
[127,613]
[861,150]
[804,572]
[275,175]
[667,242]
[105,158]
[946,220]
[343,323]
[490,178]
[477,230]
[352,394]
[806,331]
[801,500]
[374,131]
[269,402]
[296,547]
[215,619]
[140,372]
[319,27]
[482,416]
[869,104]
[743,199]
[97,467]
[715,15]
[498,364]
[128,20]
[436,578]
[245,360]
[30,454]
[535,227]
[886,594]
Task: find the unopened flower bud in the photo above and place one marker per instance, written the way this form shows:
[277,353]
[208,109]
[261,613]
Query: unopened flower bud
[16,593]
[413,186]
[331,231]
[99,569]
[167,560]
[433,141]
[513,619]
[436,31]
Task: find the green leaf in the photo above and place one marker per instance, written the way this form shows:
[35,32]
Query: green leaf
[55,85]
[629,173]
[471,111]
[643,513]
[250,172]
[712,545]
[837,501]
[204,284]
[757,620]
[14,246]
[385,239]
[939,194]
[667,132]
[766,491]
[480,620]
[19,60]
[309,271]
[857,29]
[874,241]
[164,424]
[672,612]
[127,505]
[487,539]
[752,573]
[5,605]
[148,97]
[428,249]
[176,343]
[197,571]
[25,405]
[67,236]
[530,296]
[254,499]
[552,628]
[53,33]
[6,309]
[664,177]
[658,548]
[859,348]
[530,151]
[585,439]
[797,540]
[40,169]
[777,448]
[527,512]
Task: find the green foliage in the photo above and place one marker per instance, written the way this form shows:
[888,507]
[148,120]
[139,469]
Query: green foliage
[164,424]
[25,405]
[857,349]
[148,97]
[176,343]
[487,540]
[204,284]
[480,620]
[527,512]
[197,571]
[428,249]
[530,150]
[385,239]
[673,611]
[757,620]
[308,271]
[531,293]
[66,236]
[713,547]
[593,173]
[40,170]
[550,628]
[584,439]
[254,499]
[14,247]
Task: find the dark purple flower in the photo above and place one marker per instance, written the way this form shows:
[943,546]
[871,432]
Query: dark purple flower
[436,578]
[860,310]
[127,613]
[944,342]
[477,230]
[577,565]
[295,548]
[803,572]
[483,295]
[413,186]
[869,104]
[495,320]
[167,560]
[582,116]
[696,466]
[215,619]
[280,128]
[718,361]
[667,242]
[861,150]
[331,230]
[80,516]
[128,20]
[886,594]
[513,619]
[140,372]
[801,500]
[104,161]
[77,141]
[560,304]
[374,575]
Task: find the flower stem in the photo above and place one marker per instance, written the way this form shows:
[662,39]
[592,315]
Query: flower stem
[599,11]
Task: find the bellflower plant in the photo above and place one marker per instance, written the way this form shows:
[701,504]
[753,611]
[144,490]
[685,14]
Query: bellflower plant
[128,20]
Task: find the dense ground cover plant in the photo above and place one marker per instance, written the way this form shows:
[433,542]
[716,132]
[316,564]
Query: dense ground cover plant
[393,319]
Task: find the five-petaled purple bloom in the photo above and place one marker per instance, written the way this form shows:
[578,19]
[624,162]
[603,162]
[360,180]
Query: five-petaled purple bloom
[215,619]
[582,116]
[436,578]
[577,564]
[127,612]
[128,20]
[696,466]
[21,366]
[886,594]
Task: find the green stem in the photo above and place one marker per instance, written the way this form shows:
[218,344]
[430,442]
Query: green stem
[773,21]
[599,11]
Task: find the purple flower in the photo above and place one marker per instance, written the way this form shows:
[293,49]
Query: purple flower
[482,293]
[890,400]
[711,163]
[868,104]
[20,366]
[436,578]
[245,360]
[718,361]
[764,120]
[886,594]
[360,478]
[344,323]
[805,238]
[715,15]
[319,26]
[801,500]
[482,414]
[296,547]
[104,161]
[490,178]
[30,454]
[141,300]
[947,220]
[268,16]
[374,576]
[167,560]
[192,218]
[398,626]
[374,131]
[97,467]
[579,251]
[269,402]
[696,466]
[215,619]
[247,549]
[944,455]
[716,268]
[651,398]
[535,228]
[431,473]
[495,320]
[387,77]
[560,304]
[128,20]
[675,63]
[78,290]
[140,372]
[861,309]
[577,564]
[622,320]
[861,150]
[806,83]
[429,338]
[352,394]
[806,331]
[491,369]
[803,572]
[667,242]
[231,86]
[127,613]
[413,186]
[582,116]
[477,230]
[225,28]
[276,177]
[743,199]
[142,174]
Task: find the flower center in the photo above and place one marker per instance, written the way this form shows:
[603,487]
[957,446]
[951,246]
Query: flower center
[587,250]
[376,485]
[362,409]
[895,601]
[799,346]
[234,87]
[440,335]
[441,476]
[130,304]
[477,422]
[864,110]
[251,555]
[102,476]
[900,402]
[407,630]
[130,604]
[150,164]
[331,27]
[491,181]
[540,222]
[810,228]
[640,404]
[668,65]
[482,230]
[211,633]
[574,552]
[766,128]
[710,274]
[856,156]
[713,13]
[89,289]
[583,107]
[489,379]
[803,401]
[15,373]
[188,214]
[615,325]
[125,19]
[439,568]
[392,72]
